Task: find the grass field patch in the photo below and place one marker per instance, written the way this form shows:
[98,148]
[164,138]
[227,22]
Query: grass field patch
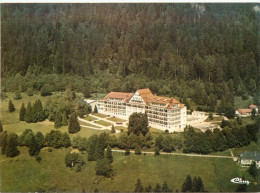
[115,119]
[104,123]
[89,118]
[99,115]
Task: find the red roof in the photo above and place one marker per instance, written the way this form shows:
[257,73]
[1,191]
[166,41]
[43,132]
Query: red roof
[119,95]
[252,106]
[244,111]
[146,95]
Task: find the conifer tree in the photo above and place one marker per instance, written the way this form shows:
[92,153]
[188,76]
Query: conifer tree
[58,120]
[64,119]
[40,139]
[33,147]
[165,187]
[92,147]
[65,140]
[113,129]
[11,107]
[95,109]
[22,113]
[40,115]
[109,155]
[17,95]
[11,149]
[29,113]
[74,126]
[253,170]
[187,185]
[3,142]
[138,186]
[1,126]
[157,188]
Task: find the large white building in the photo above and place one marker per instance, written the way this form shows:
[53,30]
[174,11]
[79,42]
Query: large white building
[163,112]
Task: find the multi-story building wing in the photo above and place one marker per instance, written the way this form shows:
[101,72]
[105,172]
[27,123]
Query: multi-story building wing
[162,112]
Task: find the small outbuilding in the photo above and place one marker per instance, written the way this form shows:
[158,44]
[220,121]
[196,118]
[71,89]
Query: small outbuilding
[247,158]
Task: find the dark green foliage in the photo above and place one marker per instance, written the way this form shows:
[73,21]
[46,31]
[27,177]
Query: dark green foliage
[127,151]
[17,95]
[92,143]
[165,187]
[11,107]
[210,116]
[71,159]
[138,150]
[101,145]
[242,187]
[11,149]
[253,130]
[187,185]
[29,113]
[95,109]
[80,143]
[30,91]
[65,140]
[158,141]
[38,111]
[253,170]
[109,155]
[40,139]
[148,189]
[64,119]
[58,121]
[3,142]
[83,108]
[138,186]
[22,113]
[138,124]
[45,90]
[33,146]
[57,140]
[113,129]
[157,188]
[74,126]
[156,151]
[103,168]
[224,123]
[1,126]
[25,138]
[197,185]
[253,113]
[168,144]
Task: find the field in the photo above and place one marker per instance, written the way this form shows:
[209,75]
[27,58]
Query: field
[116,119]
[24,174]
[88,124]
[89,118]
[100,115]
[104,123]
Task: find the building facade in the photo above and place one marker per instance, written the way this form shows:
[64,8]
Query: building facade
[162,112]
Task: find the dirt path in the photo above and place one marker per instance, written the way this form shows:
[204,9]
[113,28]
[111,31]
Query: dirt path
[180,154]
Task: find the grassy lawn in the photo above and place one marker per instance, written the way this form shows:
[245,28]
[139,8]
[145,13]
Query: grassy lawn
[219,118]
[99,115]
[116,119]
[120,127]
[10,118]
[89,118]
[88,124]
[240,104]
[104,123]
[154,130]
[24,174]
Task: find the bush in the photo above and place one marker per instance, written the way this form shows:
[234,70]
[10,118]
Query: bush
[46,90]
[17,95]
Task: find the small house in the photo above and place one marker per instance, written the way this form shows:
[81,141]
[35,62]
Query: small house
[247,158]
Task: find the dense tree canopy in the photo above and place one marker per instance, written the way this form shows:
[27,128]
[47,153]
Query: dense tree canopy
[199,51]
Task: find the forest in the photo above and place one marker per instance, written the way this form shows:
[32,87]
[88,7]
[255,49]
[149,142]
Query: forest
[200,52]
